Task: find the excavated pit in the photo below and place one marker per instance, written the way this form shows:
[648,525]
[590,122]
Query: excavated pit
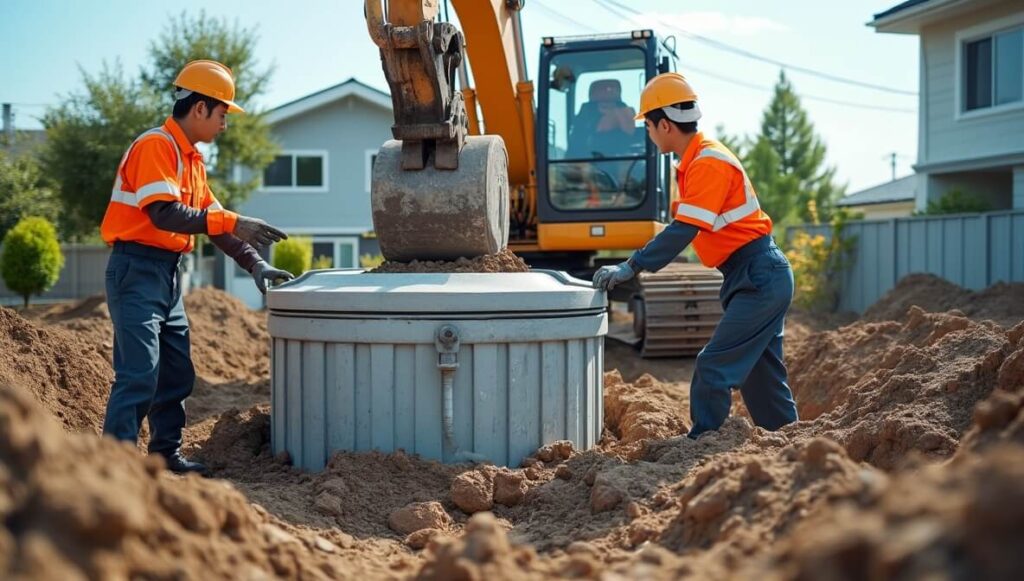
[908,459]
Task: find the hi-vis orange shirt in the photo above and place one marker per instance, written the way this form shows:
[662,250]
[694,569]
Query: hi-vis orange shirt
[161,165]
[717,197]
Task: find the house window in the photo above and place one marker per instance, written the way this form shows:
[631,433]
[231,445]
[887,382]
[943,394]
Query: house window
[335,252]
[371,158]
[297,170]
[994,70]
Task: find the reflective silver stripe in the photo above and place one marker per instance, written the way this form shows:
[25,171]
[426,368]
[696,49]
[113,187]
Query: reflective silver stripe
[719,221]
[117,194]
[160,187]
[215,206]
[697,213]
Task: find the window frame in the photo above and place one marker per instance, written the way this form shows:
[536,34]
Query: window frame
[295,154]
[971,34]
[369,154]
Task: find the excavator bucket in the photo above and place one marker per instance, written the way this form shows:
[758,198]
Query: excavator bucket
[436,194]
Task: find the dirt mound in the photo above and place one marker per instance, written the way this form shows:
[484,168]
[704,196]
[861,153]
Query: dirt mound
[504,261]
[70,378]
[230,341]
[1001,302]
[958,520]
[643,410]
[885,389]
[77,506]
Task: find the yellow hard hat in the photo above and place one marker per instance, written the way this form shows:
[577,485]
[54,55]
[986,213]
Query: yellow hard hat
[664,90]
[208,78]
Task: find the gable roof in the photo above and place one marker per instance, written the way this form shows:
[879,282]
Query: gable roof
[351,87]
[899,190]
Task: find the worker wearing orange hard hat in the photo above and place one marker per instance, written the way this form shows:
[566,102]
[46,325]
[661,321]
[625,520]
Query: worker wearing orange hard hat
[718,213]
[160,200]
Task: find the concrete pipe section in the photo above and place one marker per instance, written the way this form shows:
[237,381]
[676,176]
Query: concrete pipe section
[453,367]
[433,214]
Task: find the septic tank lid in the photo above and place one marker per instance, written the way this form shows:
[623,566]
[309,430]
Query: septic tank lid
[355,291]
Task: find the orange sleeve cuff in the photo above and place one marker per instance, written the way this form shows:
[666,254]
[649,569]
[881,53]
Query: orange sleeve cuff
[220,222]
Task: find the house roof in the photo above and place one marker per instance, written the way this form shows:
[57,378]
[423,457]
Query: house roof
[910,16]
[899,190]
[349,88]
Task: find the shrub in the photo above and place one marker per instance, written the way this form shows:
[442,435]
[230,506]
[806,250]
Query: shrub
[956,202]
[294,255]
[31,258]
[369,261]
[819,262]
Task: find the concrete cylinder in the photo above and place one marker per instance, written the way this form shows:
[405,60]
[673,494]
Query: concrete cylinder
[432,214]
[357,364]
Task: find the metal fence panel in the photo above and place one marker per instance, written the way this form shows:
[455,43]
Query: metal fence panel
[971,250]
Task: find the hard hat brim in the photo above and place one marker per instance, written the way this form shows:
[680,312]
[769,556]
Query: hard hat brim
[233,107]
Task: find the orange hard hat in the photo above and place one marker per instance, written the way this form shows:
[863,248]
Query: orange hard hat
[665,90]
[208,78]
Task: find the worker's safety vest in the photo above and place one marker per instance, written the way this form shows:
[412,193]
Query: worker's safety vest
[721,202]
[126,218]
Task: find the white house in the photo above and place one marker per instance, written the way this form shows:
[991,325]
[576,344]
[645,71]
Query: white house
[971,120]
[319,185]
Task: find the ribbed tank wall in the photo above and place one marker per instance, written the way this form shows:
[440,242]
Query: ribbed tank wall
[509,398]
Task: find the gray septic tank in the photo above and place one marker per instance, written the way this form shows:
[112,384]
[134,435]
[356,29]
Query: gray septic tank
[453,367]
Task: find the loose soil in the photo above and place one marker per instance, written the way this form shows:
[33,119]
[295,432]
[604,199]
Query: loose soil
[503,261]
[907,462]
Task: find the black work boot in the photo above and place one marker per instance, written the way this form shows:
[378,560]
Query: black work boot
[180,465]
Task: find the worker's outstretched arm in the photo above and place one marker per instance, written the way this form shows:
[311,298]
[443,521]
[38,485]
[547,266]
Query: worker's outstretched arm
[661,250]
[177,217]
[664,248]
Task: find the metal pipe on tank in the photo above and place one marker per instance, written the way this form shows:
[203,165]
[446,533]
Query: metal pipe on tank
[447,343]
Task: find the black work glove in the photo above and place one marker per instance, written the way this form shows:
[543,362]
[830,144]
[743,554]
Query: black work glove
[263,272]
[608,277]
[257,232]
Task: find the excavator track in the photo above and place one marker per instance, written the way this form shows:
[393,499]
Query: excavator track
[676,310]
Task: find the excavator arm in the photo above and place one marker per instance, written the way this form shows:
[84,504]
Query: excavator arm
[440,190]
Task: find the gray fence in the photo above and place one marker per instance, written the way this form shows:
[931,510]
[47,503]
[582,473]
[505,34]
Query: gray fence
[82,275]
[971,250]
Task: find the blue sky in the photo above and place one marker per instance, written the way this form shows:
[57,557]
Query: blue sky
[317,43]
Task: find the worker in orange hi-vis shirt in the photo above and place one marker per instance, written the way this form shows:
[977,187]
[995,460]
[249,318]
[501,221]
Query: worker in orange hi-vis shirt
[159,201]
[719,214]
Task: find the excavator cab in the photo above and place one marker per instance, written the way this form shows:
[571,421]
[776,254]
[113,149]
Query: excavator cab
[596,169]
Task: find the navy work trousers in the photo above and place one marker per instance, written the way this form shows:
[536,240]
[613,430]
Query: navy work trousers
[745,351]
[153,372]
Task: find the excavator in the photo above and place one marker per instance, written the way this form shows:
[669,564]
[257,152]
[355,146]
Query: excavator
[475,169]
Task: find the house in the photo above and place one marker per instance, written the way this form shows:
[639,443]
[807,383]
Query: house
[18,142]
[894,199]
[971,101]
[319,185]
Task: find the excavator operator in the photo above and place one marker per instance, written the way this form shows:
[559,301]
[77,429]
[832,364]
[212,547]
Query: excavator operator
[719,214]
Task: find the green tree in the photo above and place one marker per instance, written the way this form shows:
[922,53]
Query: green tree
[247,142]
[786,161]
[24,192]
[86,136]
[31,259]
[294,255]
[89,131]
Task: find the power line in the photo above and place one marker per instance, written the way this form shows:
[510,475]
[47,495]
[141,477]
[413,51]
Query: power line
[609,4]
[571,21]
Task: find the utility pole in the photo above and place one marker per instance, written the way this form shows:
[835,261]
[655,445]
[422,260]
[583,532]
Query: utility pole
[892,163]
[8,124]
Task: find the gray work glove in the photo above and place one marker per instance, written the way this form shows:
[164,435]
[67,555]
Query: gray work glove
[608,277]
[257,232]
[263,272]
